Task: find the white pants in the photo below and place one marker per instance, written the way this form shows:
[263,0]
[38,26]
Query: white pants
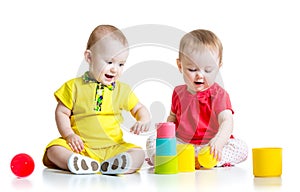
[234,152]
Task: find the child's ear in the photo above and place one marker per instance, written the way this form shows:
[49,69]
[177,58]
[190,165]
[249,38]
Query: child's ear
[179,65]
[88,56]
[220,64]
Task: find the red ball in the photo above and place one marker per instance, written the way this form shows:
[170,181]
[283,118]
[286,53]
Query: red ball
[22,165]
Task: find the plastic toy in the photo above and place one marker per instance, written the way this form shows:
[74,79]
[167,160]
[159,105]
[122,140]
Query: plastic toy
[22,165]
[186,157]
[206,159]
[166,160]
[267,161]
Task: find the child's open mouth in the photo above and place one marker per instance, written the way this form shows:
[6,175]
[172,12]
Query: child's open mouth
[199,83]
[109,76]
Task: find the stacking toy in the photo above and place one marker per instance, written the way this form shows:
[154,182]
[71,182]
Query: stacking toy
[165,130]
[22,165]
[206,159]
[267,162]
[186,157]
[166,160]
[166,147]
[166,164]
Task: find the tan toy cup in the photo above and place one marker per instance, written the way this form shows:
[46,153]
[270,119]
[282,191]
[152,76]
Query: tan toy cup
[267,162]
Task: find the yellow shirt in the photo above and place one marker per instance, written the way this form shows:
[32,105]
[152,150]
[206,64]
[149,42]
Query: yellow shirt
[97,129]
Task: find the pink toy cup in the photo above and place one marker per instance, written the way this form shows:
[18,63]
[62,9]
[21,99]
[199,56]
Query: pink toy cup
[165,130]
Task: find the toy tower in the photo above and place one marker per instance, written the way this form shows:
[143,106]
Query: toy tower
[166,160]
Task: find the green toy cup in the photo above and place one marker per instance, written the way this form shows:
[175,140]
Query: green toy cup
[166,165]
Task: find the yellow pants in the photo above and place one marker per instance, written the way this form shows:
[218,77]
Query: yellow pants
[99,154]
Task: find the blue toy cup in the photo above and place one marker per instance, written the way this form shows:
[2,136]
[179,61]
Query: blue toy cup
[166,147]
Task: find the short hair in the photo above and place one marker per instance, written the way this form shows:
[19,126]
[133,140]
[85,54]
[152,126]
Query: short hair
[102,31]
[200,39]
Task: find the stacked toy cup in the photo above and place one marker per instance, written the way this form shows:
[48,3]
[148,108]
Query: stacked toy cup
[186,157]
[166,160]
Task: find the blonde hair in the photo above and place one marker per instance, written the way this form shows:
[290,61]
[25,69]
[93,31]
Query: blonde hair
[102,31]
[198,40]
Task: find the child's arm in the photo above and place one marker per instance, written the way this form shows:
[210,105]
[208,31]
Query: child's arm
[62,117]
[171,117]
[225,130]
[142,116]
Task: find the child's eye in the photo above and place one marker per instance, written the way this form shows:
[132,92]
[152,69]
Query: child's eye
[121,64]
[208,70]
[192,70]
[109,62]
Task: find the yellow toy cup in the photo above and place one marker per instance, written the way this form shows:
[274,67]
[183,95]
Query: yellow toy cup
[267,162]
[186,157]
[206,159]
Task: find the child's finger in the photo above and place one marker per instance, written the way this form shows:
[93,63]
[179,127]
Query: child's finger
[214,152]
[71,146]
[134,128]
[212,149]
[142,128]
[80,146]
[146,127]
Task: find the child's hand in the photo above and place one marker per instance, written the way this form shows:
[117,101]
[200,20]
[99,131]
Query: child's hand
[140,127]
[75,142]
[216,147]
[142,115]
[218,142]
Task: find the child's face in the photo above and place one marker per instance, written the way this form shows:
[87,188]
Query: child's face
[106,58]
[199,69]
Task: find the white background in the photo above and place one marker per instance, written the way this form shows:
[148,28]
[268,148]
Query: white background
[42,45]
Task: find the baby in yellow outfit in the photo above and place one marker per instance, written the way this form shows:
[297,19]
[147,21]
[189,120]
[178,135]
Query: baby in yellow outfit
[88,114]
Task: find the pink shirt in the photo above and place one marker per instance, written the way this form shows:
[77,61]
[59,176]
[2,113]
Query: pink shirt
[197,115]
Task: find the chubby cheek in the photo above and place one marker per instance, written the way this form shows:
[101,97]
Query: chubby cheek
[188,77]
[209,82]
[96,72]
[189,80]
[210,79]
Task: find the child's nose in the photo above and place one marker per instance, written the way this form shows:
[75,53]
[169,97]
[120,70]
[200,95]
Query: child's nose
[113,68]
[200,74]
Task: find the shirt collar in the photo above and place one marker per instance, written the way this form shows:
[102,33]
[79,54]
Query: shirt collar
[87,79]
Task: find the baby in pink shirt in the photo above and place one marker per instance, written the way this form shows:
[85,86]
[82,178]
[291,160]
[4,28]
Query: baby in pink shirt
[201,108]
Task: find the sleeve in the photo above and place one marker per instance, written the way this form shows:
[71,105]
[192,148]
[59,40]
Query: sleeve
[130,99]
[222,102]
[175,103]
[65,94]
